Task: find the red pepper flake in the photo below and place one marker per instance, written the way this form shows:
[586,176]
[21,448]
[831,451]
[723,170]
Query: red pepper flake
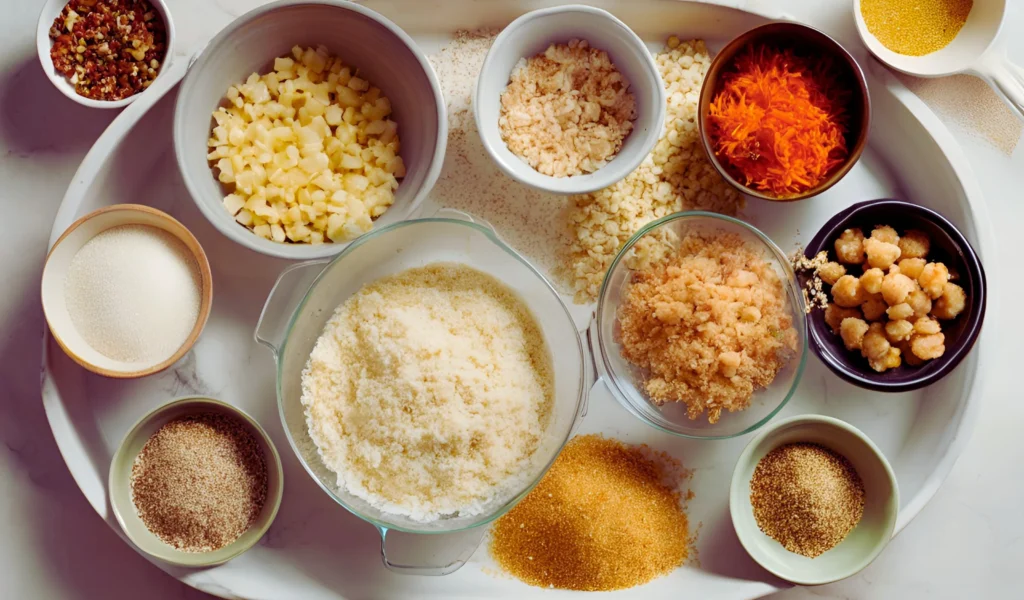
[108,49]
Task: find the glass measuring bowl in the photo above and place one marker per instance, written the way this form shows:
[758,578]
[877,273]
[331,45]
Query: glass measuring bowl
[307,294]
[622,378]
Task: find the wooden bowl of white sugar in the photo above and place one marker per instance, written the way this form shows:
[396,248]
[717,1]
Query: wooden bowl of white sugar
[126,291]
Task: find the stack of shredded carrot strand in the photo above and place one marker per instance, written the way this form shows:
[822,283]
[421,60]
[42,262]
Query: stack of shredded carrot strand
[780,120]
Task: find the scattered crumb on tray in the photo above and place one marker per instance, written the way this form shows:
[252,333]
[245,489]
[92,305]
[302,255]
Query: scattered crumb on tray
[675,176]
[530,221]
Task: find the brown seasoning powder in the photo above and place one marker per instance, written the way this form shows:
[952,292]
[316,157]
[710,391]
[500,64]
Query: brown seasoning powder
[806,497]
[607,516]
[200,482]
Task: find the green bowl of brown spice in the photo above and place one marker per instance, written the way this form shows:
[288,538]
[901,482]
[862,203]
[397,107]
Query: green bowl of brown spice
[196,482]
[813,500]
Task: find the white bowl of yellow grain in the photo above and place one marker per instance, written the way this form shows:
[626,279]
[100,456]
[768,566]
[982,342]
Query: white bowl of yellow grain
[560,157]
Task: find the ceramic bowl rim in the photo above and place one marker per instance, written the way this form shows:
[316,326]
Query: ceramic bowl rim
[821,39]
[964,345]
[736,484]
[273,464]
[212,209]
[206,293]
[44,44]
[616,169]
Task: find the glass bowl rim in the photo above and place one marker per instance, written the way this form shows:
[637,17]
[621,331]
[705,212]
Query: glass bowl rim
[581,397]
[792,289]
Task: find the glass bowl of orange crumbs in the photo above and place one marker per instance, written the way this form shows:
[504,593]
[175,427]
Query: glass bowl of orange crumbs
[700,327]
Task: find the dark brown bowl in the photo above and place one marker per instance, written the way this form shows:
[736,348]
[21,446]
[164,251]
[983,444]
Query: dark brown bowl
[948,246]
[806,40]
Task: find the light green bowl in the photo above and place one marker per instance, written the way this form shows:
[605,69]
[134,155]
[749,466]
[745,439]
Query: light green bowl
[120,484]
[868,538]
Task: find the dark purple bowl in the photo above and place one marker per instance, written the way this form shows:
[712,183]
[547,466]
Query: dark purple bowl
[948,246]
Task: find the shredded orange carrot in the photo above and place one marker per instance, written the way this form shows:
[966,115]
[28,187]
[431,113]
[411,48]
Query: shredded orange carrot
[780,120]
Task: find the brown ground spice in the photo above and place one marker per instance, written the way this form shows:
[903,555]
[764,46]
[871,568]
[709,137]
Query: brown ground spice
[200,482]
[806,497]
[607,516]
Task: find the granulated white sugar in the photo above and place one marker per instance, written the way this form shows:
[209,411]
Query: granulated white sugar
[532,222]
[133,293]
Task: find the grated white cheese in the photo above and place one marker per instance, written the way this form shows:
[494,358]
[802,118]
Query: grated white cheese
[429,392]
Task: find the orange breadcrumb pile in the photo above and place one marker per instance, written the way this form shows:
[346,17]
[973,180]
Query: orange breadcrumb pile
[779,121]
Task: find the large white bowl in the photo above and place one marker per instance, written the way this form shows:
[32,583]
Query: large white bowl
[528,36]
[383,53]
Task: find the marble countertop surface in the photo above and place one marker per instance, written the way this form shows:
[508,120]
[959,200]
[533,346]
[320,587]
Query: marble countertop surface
[968,542]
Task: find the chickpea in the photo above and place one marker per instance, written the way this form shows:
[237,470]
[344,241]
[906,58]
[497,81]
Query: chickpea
[890,360]
[915,244]
[927,326]
[896,287]
[874,345]
[852,331]
[884,233]
[847,292]
[920,302]
[951,303]
[927,347]
[908,355]
[874,308]
[830,272]
[898,331]
[911,267]
[850,247]
[834,316]
[900,312]
[933,279]
[729,363]
[871,280]
[881,254]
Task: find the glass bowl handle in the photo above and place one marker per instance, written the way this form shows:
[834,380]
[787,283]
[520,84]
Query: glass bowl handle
[464,543]
[288,291]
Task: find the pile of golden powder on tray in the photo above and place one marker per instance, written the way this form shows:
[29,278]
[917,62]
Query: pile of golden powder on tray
[574,240]
[607,516]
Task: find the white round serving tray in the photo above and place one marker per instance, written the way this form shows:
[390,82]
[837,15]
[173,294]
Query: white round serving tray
[316,549]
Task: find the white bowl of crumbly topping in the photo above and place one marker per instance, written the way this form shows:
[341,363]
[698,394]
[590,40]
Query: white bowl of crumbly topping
[569,100]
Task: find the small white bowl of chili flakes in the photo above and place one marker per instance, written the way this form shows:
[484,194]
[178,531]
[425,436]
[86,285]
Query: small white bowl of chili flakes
[104,53]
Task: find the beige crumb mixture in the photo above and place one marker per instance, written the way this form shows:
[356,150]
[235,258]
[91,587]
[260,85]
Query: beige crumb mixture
[429,391]
[675,176]
[708,324]
[567,111]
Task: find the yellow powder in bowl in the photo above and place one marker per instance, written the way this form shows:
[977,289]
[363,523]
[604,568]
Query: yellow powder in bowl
[607,516]
[917,27]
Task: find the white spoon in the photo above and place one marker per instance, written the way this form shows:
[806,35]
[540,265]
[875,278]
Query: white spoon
[973,51]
